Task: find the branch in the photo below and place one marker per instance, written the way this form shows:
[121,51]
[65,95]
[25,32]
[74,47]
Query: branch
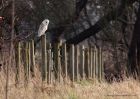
[101,24]
[80,5]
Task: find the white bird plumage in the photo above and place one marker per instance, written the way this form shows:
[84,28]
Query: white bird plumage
[43,27]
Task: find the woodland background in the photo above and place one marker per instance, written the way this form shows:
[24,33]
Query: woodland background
[110,24]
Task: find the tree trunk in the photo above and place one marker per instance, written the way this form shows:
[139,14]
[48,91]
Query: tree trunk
[101,23]
[134,50]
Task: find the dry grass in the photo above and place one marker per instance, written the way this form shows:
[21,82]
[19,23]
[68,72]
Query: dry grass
[128,89]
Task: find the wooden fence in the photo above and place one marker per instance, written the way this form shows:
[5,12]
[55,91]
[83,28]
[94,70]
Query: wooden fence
[59,63]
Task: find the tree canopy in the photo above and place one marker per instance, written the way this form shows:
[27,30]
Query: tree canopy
[101,23]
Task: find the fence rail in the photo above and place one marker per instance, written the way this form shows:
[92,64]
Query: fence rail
[59,63]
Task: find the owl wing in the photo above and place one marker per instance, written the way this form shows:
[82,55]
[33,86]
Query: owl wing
[42,29]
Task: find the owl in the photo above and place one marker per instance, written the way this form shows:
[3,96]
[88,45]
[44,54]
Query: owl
[43,27]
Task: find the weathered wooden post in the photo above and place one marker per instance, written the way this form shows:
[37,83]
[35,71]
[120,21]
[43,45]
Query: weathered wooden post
[99,64]
[49,64]
[87,70]
[29,59]
[102,67]
[72,61]
[57,67]
[17,59]
[91,62]
[82,60]
[32,58]
[52,64]
[64,62]
[94,63]
[77,62]
[44,57]
[26,63]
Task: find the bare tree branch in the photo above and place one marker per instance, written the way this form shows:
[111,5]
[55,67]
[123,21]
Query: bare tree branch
[101,24]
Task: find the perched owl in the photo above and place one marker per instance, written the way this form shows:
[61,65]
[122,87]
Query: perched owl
[43,27]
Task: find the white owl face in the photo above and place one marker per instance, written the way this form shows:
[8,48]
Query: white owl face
[46,22]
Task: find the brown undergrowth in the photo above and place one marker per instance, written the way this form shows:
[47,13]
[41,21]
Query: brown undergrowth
[91,89]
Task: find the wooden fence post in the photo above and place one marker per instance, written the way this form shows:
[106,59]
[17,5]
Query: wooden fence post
[57,67]
[32,58]
[87,69]
[72,61]
[26,76]
[44,57]
[52,68]
[17,59]
[77,62]
[29,59]
[82,60]
[94,64]
[102,67]
[64,61]
[49,64]
[91,62]
[99,64]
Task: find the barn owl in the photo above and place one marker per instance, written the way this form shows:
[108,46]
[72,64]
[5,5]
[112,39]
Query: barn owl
[43,27]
